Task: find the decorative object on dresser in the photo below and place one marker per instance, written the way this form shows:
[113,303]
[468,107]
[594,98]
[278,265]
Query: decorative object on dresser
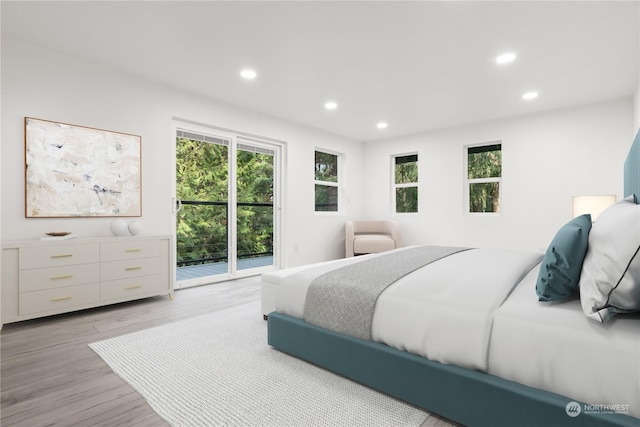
[77,171]
[59,235]
[42,278]
[134,228]
[119,227]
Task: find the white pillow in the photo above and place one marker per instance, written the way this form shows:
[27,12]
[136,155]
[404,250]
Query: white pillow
[610,277]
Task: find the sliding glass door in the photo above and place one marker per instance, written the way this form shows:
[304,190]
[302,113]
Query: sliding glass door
[255,216]
[227,222]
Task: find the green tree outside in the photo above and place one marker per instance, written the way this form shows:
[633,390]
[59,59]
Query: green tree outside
[202,176]
[406,172]
[484,162]
[326,170]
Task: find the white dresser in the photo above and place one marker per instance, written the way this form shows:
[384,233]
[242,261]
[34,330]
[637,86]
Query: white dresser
[41,278]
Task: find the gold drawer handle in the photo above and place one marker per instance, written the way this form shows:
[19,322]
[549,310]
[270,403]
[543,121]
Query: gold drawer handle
[62,256]
[133,287]
[133,250]
[133,268]
[60,298]
[67,276]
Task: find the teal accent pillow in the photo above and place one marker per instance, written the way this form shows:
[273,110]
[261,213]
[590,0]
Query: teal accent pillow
[562,263]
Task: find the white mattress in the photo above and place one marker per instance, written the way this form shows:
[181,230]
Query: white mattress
[555,347]
[444,310]
[294,282]
[432,312]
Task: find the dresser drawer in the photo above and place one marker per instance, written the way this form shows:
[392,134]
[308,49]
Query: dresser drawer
[130,268]
[42,278]
[130,249]
[52,256]
[58,299]
[57,277]
[126,288]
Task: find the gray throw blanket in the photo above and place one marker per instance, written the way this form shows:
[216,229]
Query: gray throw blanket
[343,300]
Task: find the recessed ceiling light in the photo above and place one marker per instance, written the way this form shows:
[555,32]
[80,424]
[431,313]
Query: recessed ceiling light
[382,125]
[248,74]
[530,95]
[506,58]
[330,105]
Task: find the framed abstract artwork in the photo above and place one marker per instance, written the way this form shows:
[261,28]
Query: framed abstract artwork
[77,171]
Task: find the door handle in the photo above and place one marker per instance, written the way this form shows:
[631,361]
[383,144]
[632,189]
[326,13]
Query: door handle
[177,205]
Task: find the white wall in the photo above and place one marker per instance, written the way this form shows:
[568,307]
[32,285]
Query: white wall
[636,106]
[636,101]
[45,84]
[547,159]
[588,144]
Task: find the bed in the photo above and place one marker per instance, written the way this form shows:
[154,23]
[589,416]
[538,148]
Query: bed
[483,336]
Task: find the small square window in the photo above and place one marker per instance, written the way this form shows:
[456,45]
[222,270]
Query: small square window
[326,198]
[484,197]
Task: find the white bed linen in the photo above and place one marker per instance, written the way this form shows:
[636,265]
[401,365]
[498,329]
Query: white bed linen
[432,312]
[555,347]
[293,283]
[444,310]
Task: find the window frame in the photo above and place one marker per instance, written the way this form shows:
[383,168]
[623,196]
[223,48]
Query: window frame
[235,140]
[337,184]
[395,186]
[468,181]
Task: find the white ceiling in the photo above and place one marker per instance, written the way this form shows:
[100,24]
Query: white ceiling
[417,65]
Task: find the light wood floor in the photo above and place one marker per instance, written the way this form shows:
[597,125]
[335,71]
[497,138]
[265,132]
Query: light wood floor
[50,377]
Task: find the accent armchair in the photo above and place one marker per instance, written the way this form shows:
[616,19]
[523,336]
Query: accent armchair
[366,237]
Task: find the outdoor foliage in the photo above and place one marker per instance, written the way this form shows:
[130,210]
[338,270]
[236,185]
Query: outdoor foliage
[407,199]
[484,163]
[406,172]
[255,203]
[326,167]
[326,170]
[202,177]
[326,198]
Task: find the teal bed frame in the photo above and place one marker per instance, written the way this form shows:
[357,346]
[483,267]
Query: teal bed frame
[466,396]
[632,170]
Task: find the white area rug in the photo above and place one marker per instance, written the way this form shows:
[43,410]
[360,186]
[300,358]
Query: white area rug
[218,370]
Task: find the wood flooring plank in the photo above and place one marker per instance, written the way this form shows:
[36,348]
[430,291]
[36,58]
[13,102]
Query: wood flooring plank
[51,377]
[115,403]
[78,373]
[131,411]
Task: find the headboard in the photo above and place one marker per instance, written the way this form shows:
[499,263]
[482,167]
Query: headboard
[632,170]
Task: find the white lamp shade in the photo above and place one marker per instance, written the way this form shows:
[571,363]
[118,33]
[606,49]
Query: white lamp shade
[593,205]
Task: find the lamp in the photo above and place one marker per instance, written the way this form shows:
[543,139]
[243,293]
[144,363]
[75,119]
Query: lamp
[593,205]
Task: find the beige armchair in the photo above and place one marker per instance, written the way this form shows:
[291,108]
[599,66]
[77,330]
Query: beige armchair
[366,237]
